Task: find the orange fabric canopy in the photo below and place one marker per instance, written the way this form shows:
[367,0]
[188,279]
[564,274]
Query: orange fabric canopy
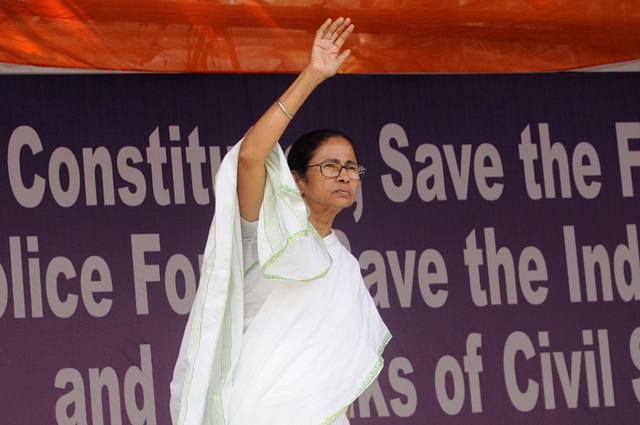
[391,36]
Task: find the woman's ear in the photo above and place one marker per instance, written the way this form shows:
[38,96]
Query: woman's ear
[298,180]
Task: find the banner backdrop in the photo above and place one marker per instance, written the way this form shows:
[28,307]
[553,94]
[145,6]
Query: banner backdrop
[496,228]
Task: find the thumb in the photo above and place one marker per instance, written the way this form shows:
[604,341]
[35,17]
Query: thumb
[343,56]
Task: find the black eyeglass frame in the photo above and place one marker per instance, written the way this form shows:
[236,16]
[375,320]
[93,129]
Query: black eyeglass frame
[361,169]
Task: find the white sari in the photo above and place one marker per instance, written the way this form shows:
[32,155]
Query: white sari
[315,344]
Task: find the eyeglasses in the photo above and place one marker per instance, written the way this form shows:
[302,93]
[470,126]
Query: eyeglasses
[333,169]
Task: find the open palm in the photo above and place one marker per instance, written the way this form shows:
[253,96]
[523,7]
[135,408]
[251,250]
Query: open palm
[326,55]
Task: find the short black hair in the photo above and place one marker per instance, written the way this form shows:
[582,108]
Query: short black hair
[305,147]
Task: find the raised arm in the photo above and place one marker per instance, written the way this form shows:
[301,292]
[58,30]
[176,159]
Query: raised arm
[326,59]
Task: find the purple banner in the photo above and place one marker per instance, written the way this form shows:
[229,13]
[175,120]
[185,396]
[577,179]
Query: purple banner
[496,229]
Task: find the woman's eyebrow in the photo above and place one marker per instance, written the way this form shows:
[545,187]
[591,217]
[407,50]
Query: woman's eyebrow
[336,160]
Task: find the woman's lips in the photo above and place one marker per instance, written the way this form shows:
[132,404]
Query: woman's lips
[343,192]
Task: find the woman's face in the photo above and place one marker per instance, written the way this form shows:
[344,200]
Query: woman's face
[323,194]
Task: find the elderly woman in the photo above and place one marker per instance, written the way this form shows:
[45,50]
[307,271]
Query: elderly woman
[283,329]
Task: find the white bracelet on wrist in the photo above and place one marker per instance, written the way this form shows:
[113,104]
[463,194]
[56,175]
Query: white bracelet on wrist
[285,111]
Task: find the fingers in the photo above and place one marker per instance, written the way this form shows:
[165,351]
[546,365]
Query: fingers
[335,32]
[344,34]
[323,29]
[335,29]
